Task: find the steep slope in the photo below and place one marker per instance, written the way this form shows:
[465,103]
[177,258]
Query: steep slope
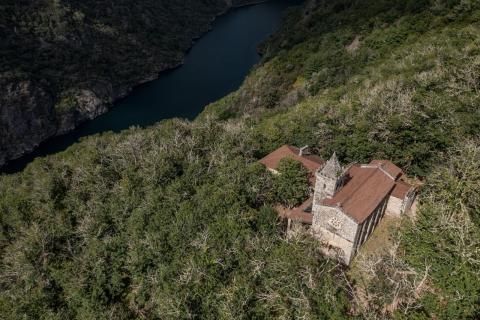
[65,61]
[384,79]
[176,221]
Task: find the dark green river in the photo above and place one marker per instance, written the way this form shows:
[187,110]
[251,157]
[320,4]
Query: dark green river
[215,66]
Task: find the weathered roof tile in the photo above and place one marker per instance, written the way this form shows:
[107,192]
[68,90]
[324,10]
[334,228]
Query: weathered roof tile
[389,167]
[365,189]
[310,162]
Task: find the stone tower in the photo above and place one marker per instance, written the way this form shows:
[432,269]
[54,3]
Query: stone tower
[328,179]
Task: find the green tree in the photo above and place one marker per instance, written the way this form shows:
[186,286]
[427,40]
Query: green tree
[291,184]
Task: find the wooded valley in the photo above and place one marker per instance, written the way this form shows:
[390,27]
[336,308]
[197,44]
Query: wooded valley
[176,221]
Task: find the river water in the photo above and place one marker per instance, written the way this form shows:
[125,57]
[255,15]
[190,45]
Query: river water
[215,66]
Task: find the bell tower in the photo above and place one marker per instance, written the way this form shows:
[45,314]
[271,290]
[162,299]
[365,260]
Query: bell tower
[327,179]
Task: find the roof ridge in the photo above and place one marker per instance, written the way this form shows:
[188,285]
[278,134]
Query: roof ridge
[381,168]
[369,176]
[310,160]
[385,171]
[295,151]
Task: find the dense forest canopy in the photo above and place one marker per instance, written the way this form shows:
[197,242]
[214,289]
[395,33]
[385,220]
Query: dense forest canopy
[176,221]
[64,43]
[63,62]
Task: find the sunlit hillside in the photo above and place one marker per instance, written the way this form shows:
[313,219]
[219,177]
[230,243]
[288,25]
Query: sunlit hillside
[176,221]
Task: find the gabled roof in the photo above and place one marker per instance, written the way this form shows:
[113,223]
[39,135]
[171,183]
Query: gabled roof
[401,189]
[299,213]
[364,190]
[388,166]
[310,162]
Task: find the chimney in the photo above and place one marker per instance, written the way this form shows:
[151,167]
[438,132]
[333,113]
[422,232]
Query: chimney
[303,151]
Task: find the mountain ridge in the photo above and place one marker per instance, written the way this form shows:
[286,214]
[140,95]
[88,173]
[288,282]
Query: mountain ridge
[82,95]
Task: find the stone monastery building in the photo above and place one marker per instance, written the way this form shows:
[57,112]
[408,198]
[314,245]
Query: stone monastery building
[347,203]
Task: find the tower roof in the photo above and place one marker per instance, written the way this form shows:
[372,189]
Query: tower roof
[332,169]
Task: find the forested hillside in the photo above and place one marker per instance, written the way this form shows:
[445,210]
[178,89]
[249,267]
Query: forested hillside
[65,61]
[177,222]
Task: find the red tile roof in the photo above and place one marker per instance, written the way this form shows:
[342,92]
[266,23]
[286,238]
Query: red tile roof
[401,189]
[388,166]
[365,189]
[366,186]
[310,162]
[298,213]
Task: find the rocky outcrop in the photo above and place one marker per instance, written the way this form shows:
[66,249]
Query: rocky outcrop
[83,104]
[29,114]
[26,118]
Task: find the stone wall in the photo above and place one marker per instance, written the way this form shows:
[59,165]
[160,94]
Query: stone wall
[395,206]
[341,236]
[335,230]
[409,199]
[324,187]
[369,225]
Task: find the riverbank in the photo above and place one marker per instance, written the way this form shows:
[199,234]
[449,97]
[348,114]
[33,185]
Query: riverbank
[233,44]
[34,108]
